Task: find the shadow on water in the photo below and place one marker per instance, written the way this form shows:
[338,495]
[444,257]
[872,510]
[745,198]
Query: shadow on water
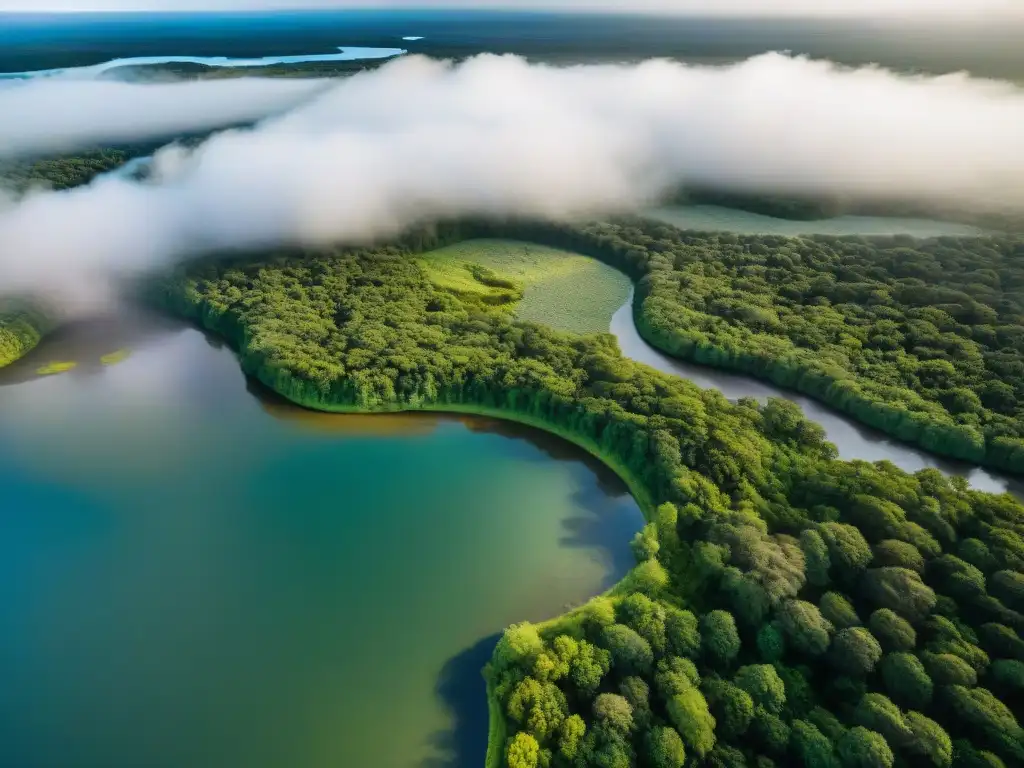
[90,342]
[461,689]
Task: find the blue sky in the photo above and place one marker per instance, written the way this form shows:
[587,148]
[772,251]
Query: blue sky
[968,8]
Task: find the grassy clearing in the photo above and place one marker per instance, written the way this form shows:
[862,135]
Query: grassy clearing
[563,290]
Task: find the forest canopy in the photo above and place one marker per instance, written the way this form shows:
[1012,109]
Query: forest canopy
[921,339]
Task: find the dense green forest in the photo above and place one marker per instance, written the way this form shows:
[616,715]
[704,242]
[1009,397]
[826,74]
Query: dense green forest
[922,339]
[788,608]
[64,172]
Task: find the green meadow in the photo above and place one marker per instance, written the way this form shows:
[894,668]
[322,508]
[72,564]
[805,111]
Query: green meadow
[561,289]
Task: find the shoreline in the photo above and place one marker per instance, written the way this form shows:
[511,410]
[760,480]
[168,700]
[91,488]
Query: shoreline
[345,53]
[497,729]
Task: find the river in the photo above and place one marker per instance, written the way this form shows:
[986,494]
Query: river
[853,440]
[196,574]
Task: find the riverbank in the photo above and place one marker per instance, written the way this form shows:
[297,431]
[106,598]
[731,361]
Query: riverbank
[808,335]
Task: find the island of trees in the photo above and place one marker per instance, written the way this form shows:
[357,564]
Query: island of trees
[787,608]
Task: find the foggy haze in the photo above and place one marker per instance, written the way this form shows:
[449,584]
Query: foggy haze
[419,140]
[53,114]
[859,8]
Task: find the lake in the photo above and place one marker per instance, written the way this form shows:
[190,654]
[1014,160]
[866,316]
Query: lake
[194,574]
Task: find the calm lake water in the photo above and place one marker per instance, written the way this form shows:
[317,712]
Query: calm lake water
[193,575]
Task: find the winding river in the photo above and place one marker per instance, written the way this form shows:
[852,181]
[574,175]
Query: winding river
[195,573]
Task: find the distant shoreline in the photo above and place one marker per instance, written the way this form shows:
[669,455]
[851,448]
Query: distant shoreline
[348,53]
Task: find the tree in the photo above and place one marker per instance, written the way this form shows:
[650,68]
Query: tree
[646,618]
[957,577]
[613,713]
[540,707]
[848,550]
[875,712]
[900,590]
[732,707]
[893,632]
[719,637]
[1008,674]
[725,756]
[947,669]
[675,675]
[519,645]
[898,554]
[838,611]
[987,715]
[1000,640]
[861,748]
[977,553]
[589,667]
[930,740]
[771,643]
[682,635]
[906,680]
[764,685]
[747,597]
[607,749]
[855,651]
[770,731]
[804,627]
[649,577]
[966,756]
[665,748]
[630,653]
[523,751]
[599,613]
[689,713]
[811,745]
[1008,586]
[877,518]
[636,691]
[645,543]
[816,557]
[571,736]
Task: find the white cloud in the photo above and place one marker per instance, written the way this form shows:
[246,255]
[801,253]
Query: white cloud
[418,140]
[49,114]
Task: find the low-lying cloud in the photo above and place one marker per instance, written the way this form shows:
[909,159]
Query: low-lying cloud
[42,115]
[419,140]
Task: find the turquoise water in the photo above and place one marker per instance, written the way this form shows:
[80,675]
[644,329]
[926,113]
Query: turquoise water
[195,576]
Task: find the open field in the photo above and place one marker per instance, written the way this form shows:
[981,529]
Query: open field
[563,290]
